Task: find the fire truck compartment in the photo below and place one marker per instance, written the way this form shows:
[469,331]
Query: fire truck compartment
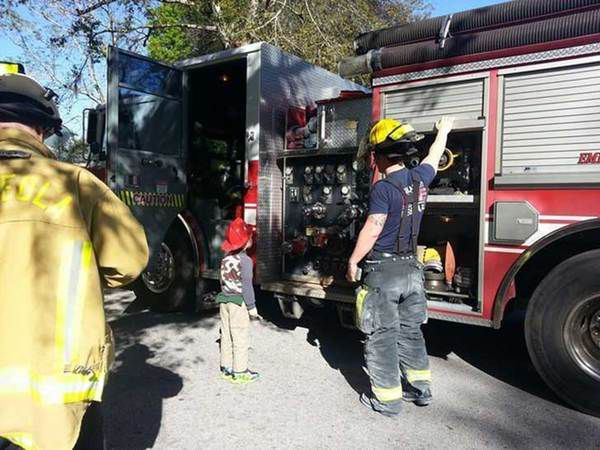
[453,233]
[236,105]
[217,126]
[326,203]
[450,224]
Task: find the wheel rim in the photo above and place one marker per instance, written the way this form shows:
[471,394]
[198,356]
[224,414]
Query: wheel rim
[582,335]
[160,279]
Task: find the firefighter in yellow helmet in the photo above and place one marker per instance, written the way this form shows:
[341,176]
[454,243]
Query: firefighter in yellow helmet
[392,305]
[64,235]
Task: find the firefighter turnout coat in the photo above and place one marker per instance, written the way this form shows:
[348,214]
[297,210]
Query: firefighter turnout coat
[63,236]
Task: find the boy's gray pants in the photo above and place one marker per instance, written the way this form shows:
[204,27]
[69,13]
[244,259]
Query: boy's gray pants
[390,313]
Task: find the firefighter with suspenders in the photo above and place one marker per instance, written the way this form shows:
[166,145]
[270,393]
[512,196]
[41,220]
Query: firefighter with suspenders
[64,235]
[391,306]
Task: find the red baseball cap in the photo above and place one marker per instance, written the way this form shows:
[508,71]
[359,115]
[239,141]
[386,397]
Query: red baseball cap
[238,234]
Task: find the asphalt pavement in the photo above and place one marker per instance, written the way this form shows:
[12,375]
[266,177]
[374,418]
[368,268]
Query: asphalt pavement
[166,393]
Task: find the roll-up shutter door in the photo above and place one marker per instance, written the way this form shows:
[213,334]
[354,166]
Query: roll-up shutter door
[550,119]
[463,100]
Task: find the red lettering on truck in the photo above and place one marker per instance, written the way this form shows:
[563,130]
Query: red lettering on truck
[589,158]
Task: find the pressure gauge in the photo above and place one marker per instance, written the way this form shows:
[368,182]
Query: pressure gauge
[326,190]
[341,168]
[355,166]
[308,169]
[345,190]
[289,170]
[318,169]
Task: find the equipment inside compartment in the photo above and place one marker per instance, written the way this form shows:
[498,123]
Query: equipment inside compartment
[326,203]
[325,206]
[459,171]
[450,235]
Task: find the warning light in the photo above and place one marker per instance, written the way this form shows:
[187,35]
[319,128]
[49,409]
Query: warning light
[225,78]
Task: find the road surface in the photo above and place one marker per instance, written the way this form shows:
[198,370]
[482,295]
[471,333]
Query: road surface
[166,392]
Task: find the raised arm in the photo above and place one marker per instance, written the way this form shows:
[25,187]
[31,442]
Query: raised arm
[436,150]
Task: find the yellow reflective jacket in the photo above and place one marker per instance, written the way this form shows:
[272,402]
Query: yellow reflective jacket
[63,235]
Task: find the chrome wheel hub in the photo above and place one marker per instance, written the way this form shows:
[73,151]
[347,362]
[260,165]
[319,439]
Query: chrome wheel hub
[581,335]
[160,278]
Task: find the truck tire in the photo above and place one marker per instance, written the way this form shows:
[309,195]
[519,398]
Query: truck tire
[562,330]
[171,287]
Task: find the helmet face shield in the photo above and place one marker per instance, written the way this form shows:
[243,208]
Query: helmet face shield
[394,149]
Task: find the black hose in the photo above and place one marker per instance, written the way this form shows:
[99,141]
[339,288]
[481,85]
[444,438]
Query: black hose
[556,29]
[494,16]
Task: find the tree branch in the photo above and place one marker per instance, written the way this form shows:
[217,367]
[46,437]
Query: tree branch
[275,17]
[191,26]
[325,39]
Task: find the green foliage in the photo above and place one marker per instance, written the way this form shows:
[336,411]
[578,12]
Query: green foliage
[319,31]
[65,42]
[171,42]
[68,148]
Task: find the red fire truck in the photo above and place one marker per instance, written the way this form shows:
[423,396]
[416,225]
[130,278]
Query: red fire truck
[258,133]
[522,78]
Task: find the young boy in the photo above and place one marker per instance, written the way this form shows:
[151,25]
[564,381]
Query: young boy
[237,304]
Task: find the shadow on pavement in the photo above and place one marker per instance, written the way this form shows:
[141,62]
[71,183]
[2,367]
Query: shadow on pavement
[134,399]
[340,347]
[137,387]
[501,354]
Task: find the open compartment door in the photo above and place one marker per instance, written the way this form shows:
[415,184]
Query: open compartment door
[145,141]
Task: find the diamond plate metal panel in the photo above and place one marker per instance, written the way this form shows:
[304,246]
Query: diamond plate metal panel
[286,80]
[345,123]
[490,64]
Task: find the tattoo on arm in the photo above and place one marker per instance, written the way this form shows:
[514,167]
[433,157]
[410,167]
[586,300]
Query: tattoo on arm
[377,219]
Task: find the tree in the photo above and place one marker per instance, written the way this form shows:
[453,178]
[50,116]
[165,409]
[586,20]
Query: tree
[65,42]
[312,29]
[68,147]
[66,47]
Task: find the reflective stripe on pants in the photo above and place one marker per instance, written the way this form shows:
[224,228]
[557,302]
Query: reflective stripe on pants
[413,376]
[51,390]
[386,395]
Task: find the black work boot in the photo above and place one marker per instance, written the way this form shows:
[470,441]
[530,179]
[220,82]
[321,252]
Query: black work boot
[368,402]
[419,398]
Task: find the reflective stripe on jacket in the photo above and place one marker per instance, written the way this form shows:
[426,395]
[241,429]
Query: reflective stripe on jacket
[63,236]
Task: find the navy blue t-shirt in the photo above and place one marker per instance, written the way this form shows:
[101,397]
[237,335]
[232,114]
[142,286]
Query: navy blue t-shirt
[387,199]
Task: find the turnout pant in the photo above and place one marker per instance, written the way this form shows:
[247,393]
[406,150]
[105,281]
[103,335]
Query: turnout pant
[91,434]
[391,311]
[235,322]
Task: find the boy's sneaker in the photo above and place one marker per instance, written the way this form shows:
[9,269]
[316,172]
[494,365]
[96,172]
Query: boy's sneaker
[418,398]
[245,377]
[226,374]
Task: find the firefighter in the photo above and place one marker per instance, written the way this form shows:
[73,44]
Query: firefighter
[64,236]
[391,306]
